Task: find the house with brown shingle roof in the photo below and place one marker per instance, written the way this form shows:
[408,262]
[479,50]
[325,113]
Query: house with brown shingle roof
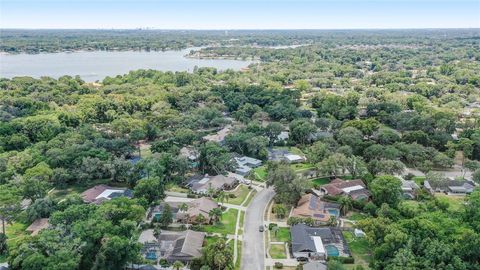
[356,189]
[201,206]
[312,206]
[37,226]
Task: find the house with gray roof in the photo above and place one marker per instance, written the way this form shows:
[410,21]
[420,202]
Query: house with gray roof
[317,243]
[173,246]
[278,154]
[246,164]
[450,187]
[409,189]
[219,182]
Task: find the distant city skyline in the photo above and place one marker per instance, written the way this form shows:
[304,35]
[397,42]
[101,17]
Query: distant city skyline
[235,14]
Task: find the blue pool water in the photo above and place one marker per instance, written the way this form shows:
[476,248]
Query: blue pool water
[333,212]
[332,250]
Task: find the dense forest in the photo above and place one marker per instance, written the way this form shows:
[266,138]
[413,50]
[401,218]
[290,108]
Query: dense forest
[388,100]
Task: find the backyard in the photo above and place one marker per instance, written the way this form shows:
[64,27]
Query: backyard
[359,247]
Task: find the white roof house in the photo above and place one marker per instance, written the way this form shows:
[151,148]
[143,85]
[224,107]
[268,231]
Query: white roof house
[294,158]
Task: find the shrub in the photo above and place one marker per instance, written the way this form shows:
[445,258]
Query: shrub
[271,225]
[278,265]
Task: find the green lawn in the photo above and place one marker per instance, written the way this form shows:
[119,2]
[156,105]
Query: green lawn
[456,202]
[321,181]
[283,235]
[260,173]
[277,252]
[239,255]
[360,249]
[240,225]
[15,232]
[240,195]
[301,166]
[250,198]
[226,225]
[356,216]
[175,188]
[419,180]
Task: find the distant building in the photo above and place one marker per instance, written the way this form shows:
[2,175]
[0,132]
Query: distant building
[356,189]
[219,137]
[318,243]
[275,154]
[218,182]
[409,189]
[172,246]
[189,152]
[37,226]
[450,187]
[311,206]
[246,164]
[359,233]
[101,193]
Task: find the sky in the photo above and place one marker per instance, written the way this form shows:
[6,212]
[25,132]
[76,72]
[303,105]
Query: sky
[236,14]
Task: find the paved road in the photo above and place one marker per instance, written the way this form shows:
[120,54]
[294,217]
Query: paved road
[253,250]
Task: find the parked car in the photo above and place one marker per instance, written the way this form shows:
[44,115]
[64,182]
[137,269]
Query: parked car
[302,259]
[261,228]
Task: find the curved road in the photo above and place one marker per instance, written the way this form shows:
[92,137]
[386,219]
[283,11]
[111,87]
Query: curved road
[253,249]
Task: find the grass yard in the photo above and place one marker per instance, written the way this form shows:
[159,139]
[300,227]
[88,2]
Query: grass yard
[242,218]
[15,232]
[278,252]
[301,166]
[360,249]
[260,173]
[226,225]
[356,216]
[240,193]
[419,180]
[456,202]
[250,198]
[239,255]
[283,235]
[321,181]
[175,188]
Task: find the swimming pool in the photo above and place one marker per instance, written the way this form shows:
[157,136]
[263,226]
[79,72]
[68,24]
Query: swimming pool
[334,212]
[332,250]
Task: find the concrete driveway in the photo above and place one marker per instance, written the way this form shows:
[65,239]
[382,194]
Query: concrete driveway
[253,247]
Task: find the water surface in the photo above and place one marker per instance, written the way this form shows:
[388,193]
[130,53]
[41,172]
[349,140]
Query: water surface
[92,66]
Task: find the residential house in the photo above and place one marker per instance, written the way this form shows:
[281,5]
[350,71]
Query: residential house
[450,187]
[37,226]
[356,189]
[190,153]
[201,206]
[246,164]
[219,136]
[409,189]
[276,154]
[318,243]
[312,206]
[181,246]
[202,185]
[101,193]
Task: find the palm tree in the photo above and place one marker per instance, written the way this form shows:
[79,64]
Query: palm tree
[332,221]
[346,204]
[177,265]
[221,195]
[215,214]
[183,207]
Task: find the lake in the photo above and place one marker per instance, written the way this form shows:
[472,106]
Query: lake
[96,65]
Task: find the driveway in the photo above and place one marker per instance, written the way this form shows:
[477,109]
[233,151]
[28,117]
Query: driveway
[253,248]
